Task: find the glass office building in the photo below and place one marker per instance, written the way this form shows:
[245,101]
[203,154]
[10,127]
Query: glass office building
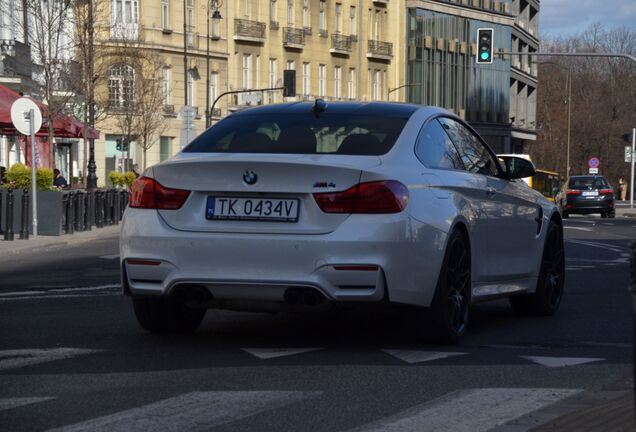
[442,71]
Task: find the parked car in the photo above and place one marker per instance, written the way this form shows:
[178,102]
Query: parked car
[308,206]
[586,194]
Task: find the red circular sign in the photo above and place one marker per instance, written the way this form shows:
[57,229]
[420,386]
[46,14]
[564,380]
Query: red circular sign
[594,162]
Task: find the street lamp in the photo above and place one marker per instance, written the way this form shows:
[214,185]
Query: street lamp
[569,102]
[214,6]
[402,86]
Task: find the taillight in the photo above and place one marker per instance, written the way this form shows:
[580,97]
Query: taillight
[148,193]
[388,196]
[573,192]
[606,191]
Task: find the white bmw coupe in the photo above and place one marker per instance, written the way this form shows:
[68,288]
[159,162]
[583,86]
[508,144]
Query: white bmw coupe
[309,206]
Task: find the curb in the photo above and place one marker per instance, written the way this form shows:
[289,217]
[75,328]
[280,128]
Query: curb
[53,245]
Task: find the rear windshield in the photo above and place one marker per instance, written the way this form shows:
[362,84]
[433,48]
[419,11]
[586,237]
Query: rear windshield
[300,133]
[588,183]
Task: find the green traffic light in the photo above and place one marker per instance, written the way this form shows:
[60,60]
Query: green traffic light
[484,56]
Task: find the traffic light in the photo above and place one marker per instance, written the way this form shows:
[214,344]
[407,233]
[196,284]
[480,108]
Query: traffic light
[485,45]
[627,137]
[118,144]
[289,83]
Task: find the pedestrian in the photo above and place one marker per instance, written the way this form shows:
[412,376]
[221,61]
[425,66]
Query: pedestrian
[622,188]
[58,180]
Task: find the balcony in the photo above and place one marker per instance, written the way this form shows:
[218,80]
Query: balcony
[168,110]
[381,2]
[380,50]
[15,58]
[293,38]
[323,33]
[273,25]
[192,38]
[307,31]
[341,44]
[124,31]
[249,31]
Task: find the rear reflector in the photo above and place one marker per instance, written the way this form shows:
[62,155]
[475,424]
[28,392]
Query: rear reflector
[143,262]
[387,196]
[573,192]
[357,267]
[606,191]
[148,193]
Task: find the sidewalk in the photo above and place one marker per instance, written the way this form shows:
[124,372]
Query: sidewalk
[608,410]
[623,209]
[18,246]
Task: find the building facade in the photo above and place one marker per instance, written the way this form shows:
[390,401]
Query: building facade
[499,99]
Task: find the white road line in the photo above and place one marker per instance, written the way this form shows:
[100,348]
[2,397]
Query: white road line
[612,248]
[561,361]
[46,297]
[9,403]
[477,410]
[579,228]
[412,356]
[59,290]
[192,412]
[12,359]
[268,353]
[609,344]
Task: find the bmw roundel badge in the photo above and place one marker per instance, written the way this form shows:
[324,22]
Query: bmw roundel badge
[250,177]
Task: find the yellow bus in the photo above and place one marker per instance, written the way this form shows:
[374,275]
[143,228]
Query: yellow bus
[546,182]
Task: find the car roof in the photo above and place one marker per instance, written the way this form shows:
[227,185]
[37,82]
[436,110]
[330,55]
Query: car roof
[383,109]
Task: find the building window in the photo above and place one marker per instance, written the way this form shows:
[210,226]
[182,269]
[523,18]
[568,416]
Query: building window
[165,17]
[246,9]
[273,64]
[247,71]
[190,22]
[190,88]
[337,81]
[322,21]
[272,11]
[338,18]
[165,81]
[306,79]
[214,85]
[351,84]
[352,20]
[306,15]
[376,84]
[121,86]
[290,13]
[377,25]
[383,86]
[165,148]
[322,85]
[124,18]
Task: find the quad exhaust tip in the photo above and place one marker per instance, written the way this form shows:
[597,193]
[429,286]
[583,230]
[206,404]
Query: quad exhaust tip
[304,296]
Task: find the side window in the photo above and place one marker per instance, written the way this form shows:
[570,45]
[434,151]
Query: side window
[474,154]
[435,149]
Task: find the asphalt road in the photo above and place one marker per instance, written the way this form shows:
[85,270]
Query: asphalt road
[73,357]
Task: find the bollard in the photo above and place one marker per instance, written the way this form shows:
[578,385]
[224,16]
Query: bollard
[70,213]
[24,216]
[123,203]
[632,288]
[116,213]
[88,208]
[64,210]
[1,232]
[111,216]
[8,229]
[108,215]
[79,211]
[99,209]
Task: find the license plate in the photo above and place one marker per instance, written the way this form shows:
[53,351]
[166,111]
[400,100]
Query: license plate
[590,193]
[263,209]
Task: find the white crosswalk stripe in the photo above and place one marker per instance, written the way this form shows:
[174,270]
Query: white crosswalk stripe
[192,412]
[477,410]
[11,359]
[561,361]
[413,356]
[9,403]
[268,353]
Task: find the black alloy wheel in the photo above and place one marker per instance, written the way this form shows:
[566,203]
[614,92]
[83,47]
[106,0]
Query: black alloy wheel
[547,298]
[451,307]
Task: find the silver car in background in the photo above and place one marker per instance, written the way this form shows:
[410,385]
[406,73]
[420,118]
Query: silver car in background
[308,206]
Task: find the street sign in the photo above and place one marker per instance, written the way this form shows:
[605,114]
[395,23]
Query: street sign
[593,170]
[20,115]
[594,162]
[628,154]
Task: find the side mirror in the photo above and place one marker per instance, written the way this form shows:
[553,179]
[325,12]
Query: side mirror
[517,167]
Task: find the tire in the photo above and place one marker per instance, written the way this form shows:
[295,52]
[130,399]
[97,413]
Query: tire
[611,214]
[450,310]
[565,215]
[546,299]
[166,315]
[603,215]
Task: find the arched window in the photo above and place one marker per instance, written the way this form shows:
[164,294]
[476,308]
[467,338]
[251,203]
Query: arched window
[121,86]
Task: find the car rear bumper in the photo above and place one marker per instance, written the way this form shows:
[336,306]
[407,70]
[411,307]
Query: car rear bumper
[582,206]
[367,258]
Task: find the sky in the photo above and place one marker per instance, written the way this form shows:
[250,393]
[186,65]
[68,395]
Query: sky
[565,17]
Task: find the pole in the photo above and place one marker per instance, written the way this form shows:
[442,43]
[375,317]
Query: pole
[33,177]
[240,91]
[567,168]
[185,54]
[91,177]
[208,115]
[631,182]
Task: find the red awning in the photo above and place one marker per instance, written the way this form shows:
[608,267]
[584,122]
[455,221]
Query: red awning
[63,126]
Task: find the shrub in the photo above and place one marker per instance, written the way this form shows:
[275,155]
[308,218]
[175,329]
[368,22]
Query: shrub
[116,178]
[19,177]
[44,178]
[130,178]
